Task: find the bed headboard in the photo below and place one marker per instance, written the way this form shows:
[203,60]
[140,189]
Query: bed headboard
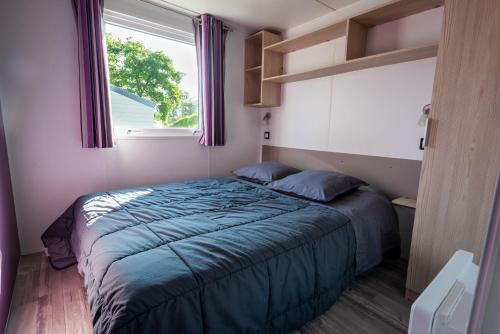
[393,177]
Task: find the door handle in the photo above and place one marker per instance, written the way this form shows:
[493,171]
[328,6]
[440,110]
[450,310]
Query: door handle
[424,142]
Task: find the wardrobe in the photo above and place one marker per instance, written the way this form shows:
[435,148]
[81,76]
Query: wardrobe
[461,159]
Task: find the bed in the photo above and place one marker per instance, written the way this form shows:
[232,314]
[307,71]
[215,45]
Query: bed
[217,255]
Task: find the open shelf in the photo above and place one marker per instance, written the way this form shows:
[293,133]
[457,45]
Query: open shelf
[254,69]
[253,87]
[317,37]
[265,51]
[387,58]
[395,10]
[253,51]
[256,92]
[258,105]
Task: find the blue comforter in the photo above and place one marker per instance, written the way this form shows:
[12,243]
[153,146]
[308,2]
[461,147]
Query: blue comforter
[204,256]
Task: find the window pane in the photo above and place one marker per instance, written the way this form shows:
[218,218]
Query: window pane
[154,81]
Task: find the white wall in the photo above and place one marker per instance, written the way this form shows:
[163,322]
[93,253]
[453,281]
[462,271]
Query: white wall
[370,112]
[40,101]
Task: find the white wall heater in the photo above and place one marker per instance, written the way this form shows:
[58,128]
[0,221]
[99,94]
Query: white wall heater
[445,305]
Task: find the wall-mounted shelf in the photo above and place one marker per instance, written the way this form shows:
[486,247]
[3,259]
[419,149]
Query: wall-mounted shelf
[316,37]
[358,25]
[258,105]
[258,93]
[254,69]
[395,10]
[265,51]
[387,58]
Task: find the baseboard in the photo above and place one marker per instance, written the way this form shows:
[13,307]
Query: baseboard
[33,251]
[12,297]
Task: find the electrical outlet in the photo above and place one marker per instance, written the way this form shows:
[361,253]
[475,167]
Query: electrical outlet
[267,135]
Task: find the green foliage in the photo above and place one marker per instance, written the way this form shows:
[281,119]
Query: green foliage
[149,74]
[189,121]
[188,105]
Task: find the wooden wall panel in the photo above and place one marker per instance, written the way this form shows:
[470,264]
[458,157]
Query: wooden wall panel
[461,164]
[393,177]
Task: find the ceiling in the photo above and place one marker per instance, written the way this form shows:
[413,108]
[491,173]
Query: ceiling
[258,14]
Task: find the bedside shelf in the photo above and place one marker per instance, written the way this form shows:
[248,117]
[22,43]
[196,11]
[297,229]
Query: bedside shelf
[387,58]
[404,201]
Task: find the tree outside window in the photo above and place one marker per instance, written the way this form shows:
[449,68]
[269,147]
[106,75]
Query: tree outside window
[151,75]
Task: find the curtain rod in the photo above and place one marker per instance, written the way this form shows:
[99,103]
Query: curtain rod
[181,11]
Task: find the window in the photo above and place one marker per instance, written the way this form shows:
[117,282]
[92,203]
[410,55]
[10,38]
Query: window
[153,82]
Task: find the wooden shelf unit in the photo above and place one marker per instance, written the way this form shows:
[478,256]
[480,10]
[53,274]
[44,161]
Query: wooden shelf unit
[395,10]
[256,92]
[316,37]
[405,201]
[354,28]
[387,58]
[254,69]
[358,25]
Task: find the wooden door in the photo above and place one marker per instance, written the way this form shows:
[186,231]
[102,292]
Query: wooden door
[461,164]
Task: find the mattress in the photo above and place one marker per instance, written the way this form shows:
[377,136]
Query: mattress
[209,256]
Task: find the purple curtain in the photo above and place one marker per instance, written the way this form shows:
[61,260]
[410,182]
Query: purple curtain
[94,87]
[210,36]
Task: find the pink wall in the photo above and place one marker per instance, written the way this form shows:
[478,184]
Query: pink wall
[39,89]
[9,242]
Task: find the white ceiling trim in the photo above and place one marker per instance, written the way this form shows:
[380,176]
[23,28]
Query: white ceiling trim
[253,15]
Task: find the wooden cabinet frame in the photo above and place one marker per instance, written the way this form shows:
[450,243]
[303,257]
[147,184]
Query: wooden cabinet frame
[354,28]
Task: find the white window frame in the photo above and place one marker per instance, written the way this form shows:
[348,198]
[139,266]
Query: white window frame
[155,29]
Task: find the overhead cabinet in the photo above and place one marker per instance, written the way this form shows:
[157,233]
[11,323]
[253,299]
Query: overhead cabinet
[355,29]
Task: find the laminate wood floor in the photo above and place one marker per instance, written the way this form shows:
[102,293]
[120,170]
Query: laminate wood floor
[54,301]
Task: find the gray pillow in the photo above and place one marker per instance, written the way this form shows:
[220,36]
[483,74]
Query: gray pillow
[265,172]
[317,185]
